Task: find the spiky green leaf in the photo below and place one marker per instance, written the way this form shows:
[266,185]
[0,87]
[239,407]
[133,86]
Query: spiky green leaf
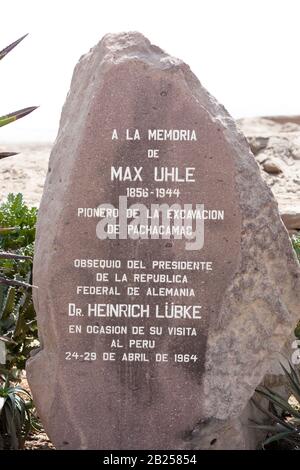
[9,48]
[7,154]
[13,282]
[293,382]
[9,303]
[274,417]
[6,255]
[7,340]
[7,230]
[277,437]
[8,118]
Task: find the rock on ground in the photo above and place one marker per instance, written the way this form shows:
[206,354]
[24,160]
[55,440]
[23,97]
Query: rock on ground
[255,309]
[275,144]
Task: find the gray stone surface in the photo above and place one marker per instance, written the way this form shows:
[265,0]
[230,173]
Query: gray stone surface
[251,300]
[275,142]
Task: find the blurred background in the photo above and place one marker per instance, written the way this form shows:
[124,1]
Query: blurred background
[245,52]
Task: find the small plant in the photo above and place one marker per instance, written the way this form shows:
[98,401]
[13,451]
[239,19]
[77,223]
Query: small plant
[296,245]
[283,426]
[16,419]
[16,214]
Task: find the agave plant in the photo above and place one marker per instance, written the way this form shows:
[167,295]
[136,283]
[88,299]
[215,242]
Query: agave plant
[17,315]
[18,329]
[17,325]
[4,120]
[283,415]
[15,415]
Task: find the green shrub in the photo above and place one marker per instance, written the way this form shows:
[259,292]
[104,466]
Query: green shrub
[20,220]
[17,316]
[18,328]
[15,213]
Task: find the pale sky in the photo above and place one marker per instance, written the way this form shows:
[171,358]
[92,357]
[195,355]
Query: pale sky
[245,52]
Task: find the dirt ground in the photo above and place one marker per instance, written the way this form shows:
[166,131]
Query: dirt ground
[36,440]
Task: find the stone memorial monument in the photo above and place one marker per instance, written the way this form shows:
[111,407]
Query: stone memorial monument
[166,279]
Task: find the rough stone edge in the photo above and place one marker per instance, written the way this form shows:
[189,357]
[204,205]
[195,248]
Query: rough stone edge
[111,50]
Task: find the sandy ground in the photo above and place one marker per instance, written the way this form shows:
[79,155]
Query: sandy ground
[37,440]
[26,171]
[278,142]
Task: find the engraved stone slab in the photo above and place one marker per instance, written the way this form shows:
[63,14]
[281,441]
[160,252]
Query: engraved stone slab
[165,276]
